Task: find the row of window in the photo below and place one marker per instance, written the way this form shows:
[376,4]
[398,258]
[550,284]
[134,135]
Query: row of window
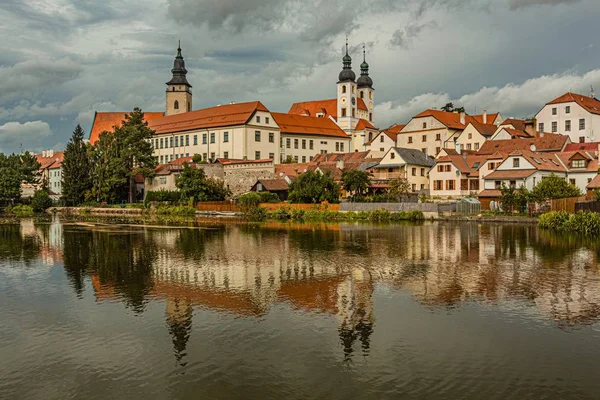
[567,110]
[439,185]
[438,137]
[258,135]
[282,158]
[475,146]
[567,125]
[267,120]
[178,141]
[170,157]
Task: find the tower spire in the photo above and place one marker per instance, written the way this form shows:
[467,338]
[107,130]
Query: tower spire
[346,44]
[364,54]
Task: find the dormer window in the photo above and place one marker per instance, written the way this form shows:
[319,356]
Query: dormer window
[578,164]
[516,163]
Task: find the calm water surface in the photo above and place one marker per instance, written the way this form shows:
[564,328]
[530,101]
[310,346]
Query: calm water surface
[433,311]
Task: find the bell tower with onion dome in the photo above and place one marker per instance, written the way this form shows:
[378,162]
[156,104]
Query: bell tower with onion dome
[179,91]
[347,95]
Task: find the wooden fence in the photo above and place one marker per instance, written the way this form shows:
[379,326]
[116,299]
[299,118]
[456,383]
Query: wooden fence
[218,206]
[567,204]
[593,206]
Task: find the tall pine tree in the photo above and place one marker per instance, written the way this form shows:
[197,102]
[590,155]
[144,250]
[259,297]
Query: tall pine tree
[119,156]
[76,169]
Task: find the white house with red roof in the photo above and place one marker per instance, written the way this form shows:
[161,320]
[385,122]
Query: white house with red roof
[433,130]
[380,143]
[572,114]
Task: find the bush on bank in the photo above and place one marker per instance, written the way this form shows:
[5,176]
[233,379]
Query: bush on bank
[583,222]
[327,215]
[20,210]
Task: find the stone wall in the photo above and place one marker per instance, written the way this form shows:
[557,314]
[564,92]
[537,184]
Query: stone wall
[239,177]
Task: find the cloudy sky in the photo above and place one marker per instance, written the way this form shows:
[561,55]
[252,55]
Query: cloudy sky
[61,60]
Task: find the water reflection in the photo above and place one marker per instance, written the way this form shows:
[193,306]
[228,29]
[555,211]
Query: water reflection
[328,270]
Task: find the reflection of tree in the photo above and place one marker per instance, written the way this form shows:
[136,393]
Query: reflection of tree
[179,321]
[125,261]
[76,256]
[16,247]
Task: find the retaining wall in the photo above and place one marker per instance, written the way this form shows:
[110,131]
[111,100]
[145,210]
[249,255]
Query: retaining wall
[394,207]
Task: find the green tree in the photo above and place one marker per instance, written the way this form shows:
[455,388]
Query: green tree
[554,187]
[514,199]
[193,184]
[14,170]
[119,156]
[289,160]
[76,182]
[356,182]
[449,107]
[314,187]
[41,200]
[137,153]
[399,188]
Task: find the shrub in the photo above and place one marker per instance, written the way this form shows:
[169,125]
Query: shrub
[257,214]
[20,210]
[249,201]
[583,222]
[268,197]
[175,210]
[41,201]
[170,196]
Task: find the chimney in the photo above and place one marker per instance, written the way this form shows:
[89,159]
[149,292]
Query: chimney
[484,115]
[50,153]
[530,127]
[462,118]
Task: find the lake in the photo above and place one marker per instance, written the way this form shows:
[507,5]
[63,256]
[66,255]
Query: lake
[297,311]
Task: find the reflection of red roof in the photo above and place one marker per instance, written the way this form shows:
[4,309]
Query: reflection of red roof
[312,295]
[589,104]
[106,121]
[304,125]
[225,115]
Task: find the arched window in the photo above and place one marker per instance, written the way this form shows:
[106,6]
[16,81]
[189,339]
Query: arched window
[362,94]
[176,105]
[344,89]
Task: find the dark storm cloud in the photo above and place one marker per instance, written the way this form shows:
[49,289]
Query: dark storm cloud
[404,37]
[516,4]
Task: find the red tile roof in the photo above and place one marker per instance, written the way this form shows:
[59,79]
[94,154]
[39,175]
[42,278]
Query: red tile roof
[364,124]
[355,156]
[589,104]
[327,107]
[293,169]
[511,174]
[595,183]
[231,161]
[590,146]
[449,119]
[591,165]
[517,133]
[51,162]
[548,142]
[304,125]
[490,118]
[274,185]
[516,123]
[213,117]
[490,193]
[486,130]
[107,121]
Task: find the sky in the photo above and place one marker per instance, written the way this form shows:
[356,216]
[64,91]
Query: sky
[62,60]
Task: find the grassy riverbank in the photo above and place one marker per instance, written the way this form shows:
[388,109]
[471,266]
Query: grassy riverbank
[283,213]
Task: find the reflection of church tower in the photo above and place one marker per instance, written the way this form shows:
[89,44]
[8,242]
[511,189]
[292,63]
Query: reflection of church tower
[179,320]
[355,312]
[179,91]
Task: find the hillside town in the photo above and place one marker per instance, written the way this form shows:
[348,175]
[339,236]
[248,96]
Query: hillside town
[441,153]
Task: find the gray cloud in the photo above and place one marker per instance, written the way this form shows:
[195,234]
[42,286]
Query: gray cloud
[404,37]
[35,75]
[516,4]
[15,136]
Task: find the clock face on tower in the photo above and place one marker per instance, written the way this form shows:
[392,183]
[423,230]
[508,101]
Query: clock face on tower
[343,99]
[354,101]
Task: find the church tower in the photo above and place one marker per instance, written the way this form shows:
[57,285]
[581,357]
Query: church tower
[346,95]
[365,86]
[179,91]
